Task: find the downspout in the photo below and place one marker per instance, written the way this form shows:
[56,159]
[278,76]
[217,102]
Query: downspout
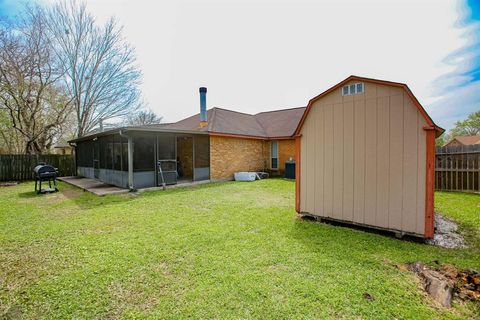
[130,159]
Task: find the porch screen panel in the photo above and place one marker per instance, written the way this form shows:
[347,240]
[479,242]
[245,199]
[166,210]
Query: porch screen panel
[109,152]
[143,152]
[202,157]
[85,154]
[117,152]
[103,151]
[166,147]
[124,154]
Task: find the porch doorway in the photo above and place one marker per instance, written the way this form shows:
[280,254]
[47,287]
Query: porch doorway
[185,158]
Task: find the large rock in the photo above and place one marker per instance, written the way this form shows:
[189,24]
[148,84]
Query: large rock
[438,286]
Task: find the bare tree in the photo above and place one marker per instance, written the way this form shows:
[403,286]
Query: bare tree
[100,66]
[29,88]
[143,117]
[11,141]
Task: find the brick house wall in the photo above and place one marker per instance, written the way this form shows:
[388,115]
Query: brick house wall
[286,150]
[230,155]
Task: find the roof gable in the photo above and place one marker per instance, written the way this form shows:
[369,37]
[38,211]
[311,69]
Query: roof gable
[431,124]
[467,140]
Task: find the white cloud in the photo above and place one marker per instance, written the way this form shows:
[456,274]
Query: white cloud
[261,55]
[456,104]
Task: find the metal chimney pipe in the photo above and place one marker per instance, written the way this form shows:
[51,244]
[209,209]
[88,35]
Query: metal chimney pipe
[203,105]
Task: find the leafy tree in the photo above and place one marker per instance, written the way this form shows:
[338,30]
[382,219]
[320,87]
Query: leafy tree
[440,141]
[469,126]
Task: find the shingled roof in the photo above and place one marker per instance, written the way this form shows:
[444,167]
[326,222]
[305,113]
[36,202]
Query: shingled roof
[270,124]
[467,140]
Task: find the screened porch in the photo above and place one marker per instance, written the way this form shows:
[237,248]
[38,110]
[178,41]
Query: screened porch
[157,158]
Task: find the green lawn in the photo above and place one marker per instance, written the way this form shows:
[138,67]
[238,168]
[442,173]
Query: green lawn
[226,250]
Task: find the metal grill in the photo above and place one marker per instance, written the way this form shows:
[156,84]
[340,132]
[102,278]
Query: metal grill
[45,173]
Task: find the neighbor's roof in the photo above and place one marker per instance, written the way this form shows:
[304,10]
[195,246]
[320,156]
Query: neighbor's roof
[62,145]
[420,108]
[265,125]
[467,140]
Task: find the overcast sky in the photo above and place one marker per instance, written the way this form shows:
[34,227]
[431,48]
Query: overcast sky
[262,55]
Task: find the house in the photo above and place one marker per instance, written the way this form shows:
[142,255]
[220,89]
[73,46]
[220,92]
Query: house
[62,148]
[366,155]
[464,141]
[211,145]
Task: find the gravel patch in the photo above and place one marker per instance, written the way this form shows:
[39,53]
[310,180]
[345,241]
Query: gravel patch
[446,234]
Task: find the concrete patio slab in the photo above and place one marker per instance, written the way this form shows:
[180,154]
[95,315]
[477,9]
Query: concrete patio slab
[91,185]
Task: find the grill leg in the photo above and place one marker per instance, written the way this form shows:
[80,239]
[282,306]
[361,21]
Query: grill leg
[39,186]
[35,185]
[55,184]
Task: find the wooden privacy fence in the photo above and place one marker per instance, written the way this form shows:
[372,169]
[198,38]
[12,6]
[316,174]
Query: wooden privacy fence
[19,167]
[457,168]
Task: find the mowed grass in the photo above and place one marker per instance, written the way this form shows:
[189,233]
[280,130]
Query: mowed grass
[224,250]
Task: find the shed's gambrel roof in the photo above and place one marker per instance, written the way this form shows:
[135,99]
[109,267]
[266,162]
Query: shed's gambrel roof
[430,123]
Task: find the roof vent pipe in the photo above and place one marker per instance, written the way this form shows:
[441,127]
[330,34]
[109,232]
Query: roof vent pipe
[203,107]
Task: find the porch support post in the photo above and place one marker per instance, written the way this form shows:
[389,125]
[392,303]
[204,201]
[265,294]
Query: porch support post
[130,163]
[130,159]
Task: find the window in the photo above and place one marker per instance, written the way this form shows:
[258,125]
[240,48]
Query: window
[353,89]
[359,87]
[274,154]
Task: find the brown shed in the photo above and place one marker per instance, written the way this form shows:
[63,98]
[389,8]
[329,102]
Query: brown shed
[365,155]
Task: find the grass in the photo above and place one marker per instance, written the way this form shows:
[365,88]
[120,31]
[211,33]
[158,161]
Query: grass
[226,250]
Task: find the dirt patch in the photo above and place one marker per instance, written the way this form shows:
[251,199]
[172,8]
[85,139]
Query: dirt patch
[8,184]
[446,234]
[446,282]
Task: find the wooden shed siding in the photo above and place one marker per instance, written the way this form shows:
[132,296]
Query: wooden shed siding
[363,159]
[328,154]
[359,161]
[320,161]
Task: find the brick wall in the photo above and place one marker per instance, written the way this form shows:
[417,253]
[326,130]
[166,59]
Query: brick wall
[286,150]
[230,155]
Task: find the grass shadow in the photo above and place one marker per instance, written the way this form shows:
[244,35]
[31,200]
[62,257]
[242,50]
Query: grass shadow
[87,200]
[29,195]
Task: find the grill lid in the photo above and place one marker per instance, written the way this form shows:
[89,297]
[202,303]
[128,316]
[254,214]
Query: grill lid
[44,168]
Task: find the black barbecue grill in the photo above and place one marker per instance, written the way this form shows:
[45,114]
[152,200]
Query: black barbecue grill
[45,172]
